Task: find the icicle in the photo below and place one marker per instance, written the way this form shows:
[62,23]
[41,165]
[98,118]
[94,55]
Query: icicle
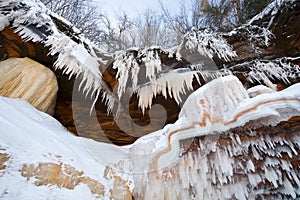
[250,166]
[207,44]
[94,102]
[3,21]
[152,64]
[288,188]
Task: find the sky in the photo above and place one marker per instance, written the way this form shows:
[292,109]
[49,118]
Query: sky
[135,7]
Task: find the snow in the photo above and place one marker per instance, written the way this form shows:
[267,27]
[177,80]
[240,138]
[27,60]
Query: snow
[152,64]
[3,21]
[272,9]
[22,19]
[192,112]
[288,188]
[33,137]
[33,21]
[266,71]
[259,89]
[142,73]
[155,166]
[73,59]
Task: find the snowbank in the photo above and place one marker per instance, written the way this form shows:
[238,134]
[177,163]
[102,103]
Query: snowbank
[45,160]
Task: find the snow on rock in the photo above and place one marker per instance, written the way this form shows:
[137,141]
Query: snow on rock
[143,73]
[281,69]
[256,35]
[259,89]
[3,21]
[211,170]
[23,15]
[78,56]
[40,159]
[266,71]
[272,9]
[74,59]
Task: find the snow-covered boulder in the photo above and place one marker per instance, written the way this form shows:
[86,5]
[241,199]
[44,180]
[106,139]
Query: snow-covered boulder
[26,79]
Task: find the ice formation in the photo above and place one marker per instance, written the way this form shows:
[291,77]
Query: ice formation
[214,169]
[208,44]
[33,22]
[201,156]
[259,89]
[215,150]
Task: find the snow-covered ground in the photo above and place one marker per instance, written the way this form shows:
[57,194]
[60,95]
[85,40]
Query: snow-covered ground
[31,137]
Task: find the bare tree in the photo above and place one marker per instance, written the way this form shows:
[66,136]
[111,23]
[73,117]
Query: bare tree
[81,13]
[147,29]
[219,15]
[152,27]
[190,15]
[153,30]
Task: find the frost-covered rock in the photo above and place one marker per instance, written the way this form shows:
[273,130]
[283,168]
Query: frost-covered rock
[26,79]
[79,57]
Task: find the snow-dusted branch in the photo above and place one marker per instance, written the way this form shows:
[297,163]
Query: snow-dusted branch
[207,44]
[266,71]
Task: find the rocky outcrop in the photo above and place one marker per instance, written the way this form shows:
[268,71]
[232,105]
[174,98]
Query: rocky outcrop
[26,79]
[60,175]
[3,158]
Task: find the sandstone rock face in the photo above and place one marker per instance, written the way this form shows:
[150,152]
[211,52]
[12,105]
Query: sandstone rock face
[62,176]
[26,79]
